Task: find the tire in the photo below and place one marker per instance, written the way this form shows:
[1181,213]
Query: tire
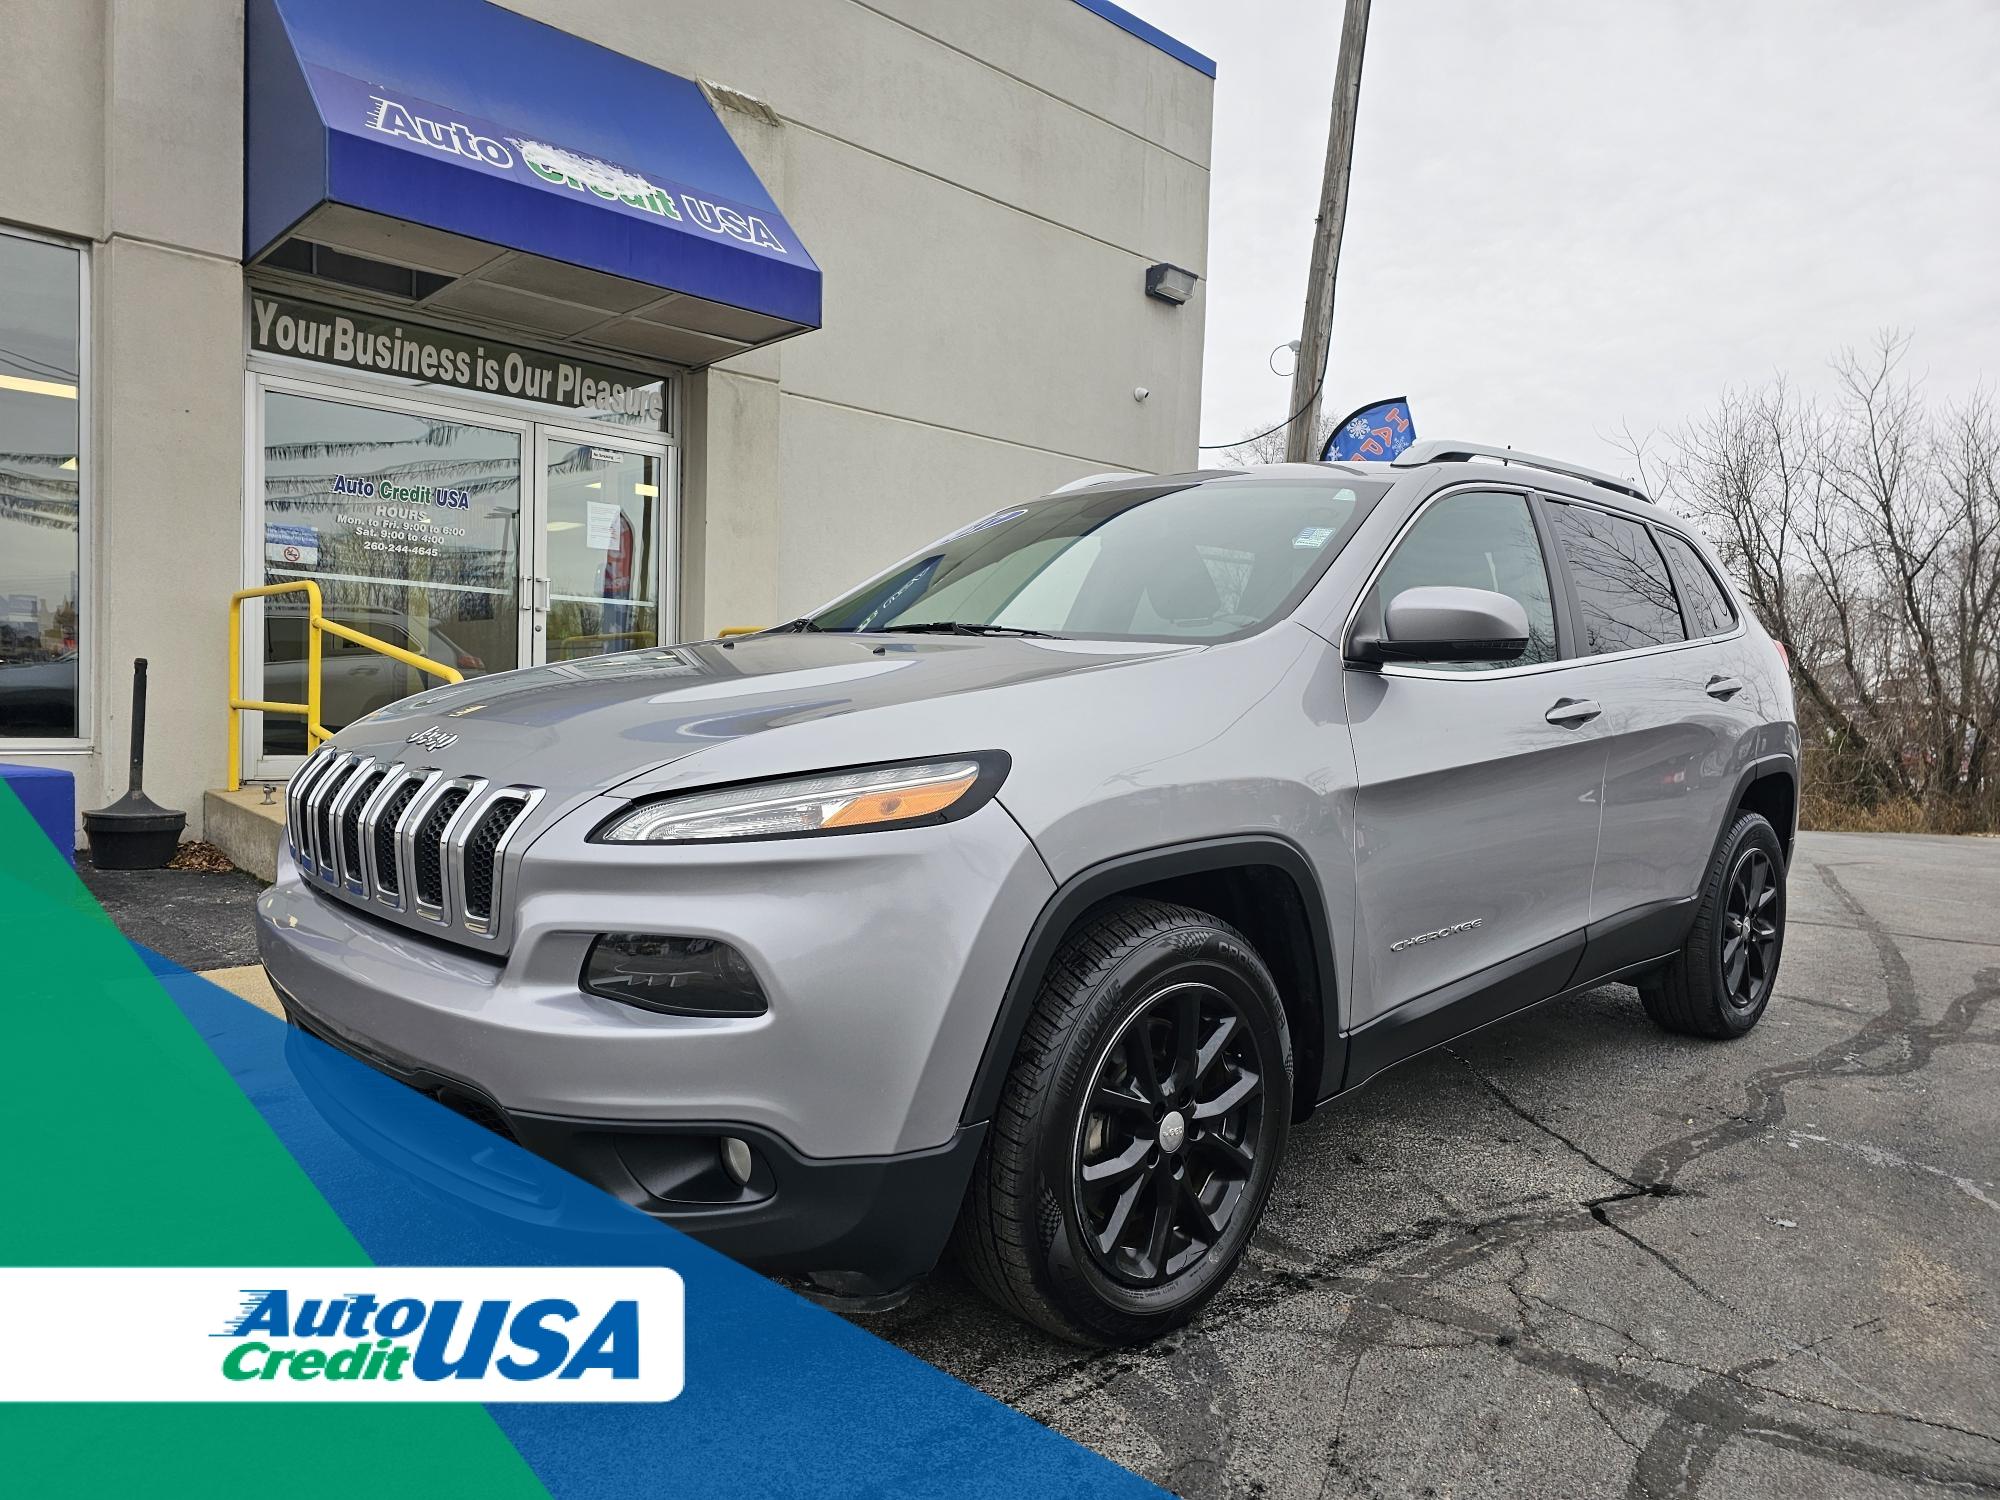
[1197,1155]
[1720,982]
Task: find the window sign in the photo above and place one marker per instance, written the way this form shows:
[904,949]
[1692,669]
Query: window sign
[432,356]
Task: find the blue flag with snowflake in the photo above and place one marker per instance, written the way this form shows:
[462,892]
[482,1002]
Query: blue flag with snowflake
[1374,434]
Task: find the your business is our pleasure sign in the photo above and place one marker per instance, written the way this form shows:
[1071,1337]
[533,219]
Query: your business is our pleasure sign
[395,346]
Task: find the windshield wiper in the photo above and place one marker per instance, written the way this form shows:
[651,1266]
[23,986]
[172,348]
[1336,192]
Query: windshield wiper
[965,627]
[799,626]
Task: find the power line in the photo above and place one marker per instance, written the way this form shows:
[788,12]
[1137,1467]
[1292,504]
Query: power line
[1239,442]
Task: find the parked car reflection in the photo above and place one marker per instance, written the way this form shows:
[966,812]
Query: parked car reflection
[354,681]
[38,695]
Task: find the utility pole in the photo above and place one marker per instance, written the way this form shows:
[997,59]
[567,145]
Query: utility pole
[1316,334]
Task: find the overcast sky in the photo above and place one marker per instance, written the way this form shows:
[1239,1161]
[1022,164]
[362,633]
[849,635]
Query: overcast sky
[1568,215]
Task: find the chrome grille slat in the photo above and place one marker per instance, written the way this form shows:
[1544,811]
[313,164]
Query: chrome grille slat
[368,834]
[431,837]
[477,857]
[434,786]
[360,781]
[392,839]
[319,798]
[295,826]
[410,842]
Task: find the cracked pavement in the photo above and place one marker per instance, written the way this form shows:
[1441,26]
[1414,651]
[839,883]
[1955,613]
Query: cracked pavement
[1571,1255]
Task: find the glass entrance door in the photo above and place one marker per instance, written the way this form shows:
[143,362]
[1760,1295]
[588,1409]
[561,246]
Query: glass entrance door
[410,522]
[478,541]
[603,546]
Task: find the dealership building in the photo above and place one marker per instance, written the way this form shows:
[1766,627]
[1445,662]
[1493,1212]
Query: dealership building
[530,333]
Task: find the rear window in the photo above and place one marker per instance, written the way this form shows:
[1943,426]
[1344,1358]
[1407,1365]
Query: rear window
[1625,598]
[1702,594]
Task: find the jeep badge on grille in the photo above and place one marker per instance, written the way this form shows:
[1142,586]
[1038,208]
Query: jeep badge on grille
[433,738]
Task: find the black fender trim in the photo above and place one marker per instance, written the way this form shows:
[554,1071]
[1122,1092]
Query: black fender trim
[1507,989]
[1462,1006]
[1756,771]
[1114,877]
[1614,944]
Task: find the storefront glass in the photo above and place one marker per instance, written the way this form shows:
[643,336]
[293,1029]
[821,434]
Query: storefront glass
[485,541]
[41,419]
[603,528]
[411,525]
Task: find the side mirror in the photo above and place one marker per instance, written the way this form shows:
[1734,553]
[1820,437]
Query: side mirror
[1442,624]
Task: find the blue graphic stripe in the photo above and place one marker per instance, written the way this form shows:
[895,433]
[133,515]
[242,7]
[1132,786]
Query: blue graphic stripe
[782,1398]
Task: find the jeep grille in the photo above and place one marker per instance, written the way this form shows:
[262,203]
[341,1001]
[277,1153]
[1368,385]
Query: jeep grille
[407,841]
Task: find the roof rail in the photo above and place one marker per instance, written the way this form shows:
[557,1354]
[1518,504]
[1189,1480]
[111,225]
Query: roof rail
[1445,450]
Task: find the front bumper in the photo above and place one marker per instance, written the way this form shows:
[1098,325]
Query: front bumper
[874,1223]
[883,956]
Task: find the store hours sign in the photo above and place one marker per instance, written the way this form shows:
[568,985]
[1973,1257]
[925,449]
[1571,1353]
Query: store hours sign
[393,346]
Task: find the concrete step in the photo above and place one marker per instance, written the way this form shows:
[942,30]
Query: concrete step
[246,827]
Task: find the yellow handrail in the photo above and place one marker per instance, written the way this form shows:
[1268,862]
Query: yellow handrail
[316,625]
[729,630]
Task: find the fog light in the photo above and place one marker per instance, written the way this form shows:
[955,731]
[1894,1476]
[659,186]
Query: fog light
[736,1160]
[680,976]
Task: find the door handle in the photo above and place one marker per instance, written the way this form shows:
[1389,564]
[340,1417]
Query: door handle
[1573,712]
[1724,687]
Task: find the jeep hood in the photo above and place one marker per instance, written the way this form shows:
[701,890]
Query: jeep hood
[586,726]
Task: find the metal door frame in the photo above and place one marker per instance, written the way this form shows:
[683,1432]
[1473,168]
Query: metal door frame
[536,595]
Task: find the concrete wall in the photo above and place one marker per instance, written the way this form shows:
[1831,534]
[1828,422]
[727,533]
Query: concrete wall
[983,185]
[124,127]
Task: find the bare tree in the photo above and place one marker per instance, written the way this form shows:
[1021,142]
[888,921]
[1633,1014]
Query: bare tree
[1866,535]
[1269,447]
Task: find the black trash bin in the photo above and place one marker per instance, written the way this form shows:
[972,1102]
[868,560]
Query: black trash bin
[135,832]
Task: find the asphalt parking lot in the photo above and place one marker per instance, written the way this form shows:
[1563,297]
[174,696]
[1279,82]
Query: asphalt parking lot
[1573,1256]
[1570,1256]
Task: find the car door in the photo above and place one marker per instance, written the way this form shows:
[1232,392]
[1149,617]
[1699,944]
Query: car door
[1477,795]
[1668,723]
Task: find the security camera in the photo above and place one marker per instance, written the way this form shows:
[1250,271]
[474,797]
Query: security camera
[1140,393]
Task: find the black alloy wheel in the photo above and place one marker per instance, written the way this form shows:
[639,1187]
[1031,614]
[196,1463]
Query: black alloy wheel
[1166,1147]
[1750,930]
[1720,982]
[1139,1130]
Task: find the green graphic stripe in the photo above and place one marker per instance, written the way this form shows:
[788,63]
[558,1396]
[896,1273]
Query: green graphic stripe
[124,1142]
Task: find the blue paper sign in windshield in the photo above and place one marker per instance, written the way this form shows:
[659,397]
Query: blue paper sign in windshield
[1374,434]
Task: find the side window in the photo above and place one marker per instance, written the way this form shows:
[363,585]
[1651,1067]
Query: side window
[382,629]
[1479,541]
[1706,601]
[1625,599]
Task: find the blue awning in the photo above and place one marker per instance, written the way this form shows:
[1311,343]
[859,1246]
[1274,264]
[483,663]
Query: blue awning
[529,176]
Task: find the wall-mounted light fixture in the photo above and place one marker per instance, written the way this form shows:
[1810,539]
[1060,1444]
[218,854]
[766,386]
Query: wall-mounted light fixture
[1169,283]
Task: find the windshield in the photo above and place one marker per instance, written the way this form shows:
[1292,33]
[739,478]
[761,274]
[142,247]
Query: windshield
[1205,561]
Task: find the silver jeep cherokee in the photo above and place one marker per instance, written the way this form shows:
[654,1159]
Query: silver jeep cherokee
[1030,892]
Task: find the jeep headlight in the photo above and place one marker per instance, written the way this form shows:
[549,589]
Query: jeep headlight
[931,791]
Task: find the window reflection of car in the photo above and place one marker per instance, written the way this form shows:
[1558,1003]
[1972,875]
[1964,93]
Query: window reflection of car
[354,680]
[38,694]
